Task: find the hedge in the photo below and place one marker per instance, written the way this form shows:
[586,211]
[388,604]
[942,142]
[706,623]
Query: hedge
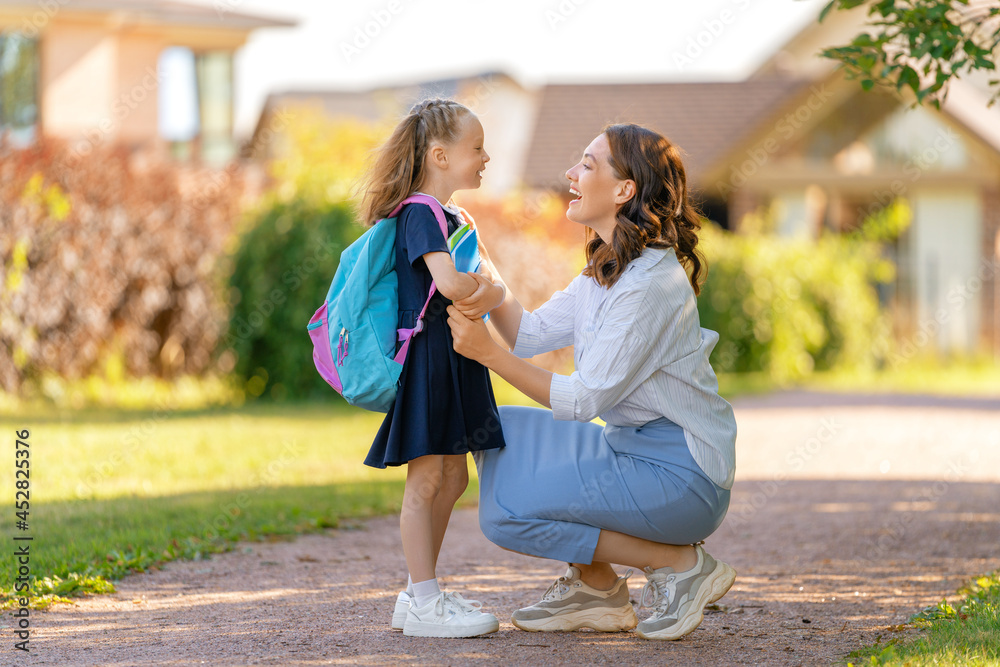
[791,306]
[107,260]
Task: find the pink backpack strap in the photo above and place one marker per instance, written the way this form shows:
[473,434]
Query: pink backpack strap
[429,201]
[406,335]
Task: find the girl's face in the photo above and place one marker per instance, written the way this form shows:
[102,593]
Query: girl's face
[599,194]
[467,157]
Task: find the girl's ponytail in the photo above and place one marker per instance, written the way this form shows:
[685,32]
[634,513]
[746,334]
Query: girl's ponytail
[397,166]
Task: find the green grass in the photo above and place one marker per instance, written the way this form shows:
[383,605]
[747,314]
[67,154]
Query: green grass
[956,377]
[115,492]
[966,634]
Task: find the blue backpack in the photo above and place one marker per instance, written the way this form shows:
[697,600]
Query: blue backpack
[354,332]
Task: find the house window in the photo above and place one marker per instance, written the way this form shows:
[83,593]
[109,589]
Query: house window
[178,101]
[18,88]
[215,104]
[196,104]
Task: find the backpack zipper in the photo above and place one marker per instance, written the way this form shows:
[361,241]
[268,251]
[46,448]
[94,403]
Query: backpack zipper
[342,347]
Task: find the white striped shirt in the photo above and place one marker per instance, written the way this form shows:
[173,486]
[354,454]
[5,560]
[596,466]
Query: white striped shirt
[640,354]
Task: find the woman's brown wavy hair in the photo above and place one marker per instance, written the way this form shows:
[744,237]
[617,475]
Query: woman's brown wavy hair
[660,215]
[397,167]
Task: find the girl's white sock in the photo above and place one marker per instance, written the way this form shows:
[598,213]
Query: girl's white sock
[409,585]
[425,591]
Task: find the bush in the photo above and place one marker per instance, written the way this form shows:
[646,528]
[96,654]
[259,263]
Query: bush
[279,275]
[791,306]
[107,265]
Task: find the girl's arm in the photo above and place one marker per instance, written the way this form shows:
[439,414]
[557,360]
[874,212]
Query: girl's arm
[472,340]
[449,281]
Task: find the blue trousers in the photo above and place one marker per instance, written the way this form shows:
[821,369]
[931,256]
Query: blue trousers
[557,484]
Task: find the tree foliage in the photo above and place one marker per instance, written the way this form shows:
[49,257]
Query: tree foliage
[921,45]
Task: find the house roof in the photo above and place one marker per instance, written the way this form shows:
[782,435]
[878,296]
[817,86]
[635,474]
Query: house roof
[172,12]
[704,119]
[372,104]
[968,106]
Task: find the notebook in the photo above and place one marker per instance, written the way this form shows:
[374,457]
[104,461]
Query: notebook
[464,247]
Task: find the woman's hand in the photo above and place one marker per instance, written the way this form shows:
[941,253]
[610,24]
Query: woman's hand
[471,339]
[486,297]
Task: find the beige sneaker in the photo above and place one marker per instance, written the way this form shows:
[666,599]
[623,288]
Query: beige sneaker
[569,604]
[678,599]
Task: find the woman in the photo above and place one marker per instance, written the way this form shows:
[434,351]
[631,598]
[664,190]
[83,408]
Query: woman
[643,490]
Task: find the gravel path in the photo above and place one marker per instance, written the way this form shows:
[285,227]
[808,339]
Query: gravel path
[849,513]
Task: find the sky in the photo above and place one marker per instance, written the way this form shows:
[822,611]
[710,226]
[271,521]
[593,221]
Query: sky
[360,44]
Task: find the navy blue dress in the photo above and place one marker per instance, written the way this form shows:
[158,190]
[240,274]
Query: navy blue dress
[445,403]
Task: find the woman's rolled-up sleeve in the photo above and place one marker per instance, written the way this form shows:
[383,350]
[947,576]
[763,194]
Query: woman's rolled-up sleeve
[616,363]
[550,326]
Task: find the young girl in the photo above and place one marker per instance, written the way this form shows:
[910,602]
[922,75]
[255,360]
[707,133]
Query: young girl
[445,406]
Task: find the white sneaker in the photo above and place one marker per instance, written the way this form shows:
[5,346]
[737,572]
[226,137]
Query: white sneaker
[403,601]
[449,615]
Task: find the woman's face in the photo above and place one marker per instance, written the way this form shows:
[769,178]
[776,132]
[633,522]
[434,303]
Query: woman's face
[599,194]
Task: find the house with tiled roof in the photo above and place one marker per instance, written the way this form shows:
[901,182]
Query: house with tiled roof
[91,71]
[797,142]
[506,108]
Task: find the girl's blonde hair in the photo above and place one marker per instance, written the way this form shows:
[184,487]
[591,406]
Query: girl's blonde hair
[397,167]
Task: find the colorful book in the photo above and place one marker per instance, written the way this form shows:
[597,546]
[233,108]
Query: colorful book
[464,247]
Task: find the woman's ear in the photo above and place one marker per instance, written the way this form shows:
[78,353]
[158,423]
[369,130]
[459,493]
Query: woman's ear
[625,191]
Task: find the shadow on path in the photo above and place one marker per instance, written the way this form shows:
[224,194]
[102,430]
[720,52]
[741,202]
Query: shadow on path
[824,567]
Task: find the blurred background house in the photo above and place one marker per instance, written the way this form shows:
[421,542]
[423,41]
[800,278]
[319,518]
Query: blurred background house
[796,138]
[791,151]
[90,71]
